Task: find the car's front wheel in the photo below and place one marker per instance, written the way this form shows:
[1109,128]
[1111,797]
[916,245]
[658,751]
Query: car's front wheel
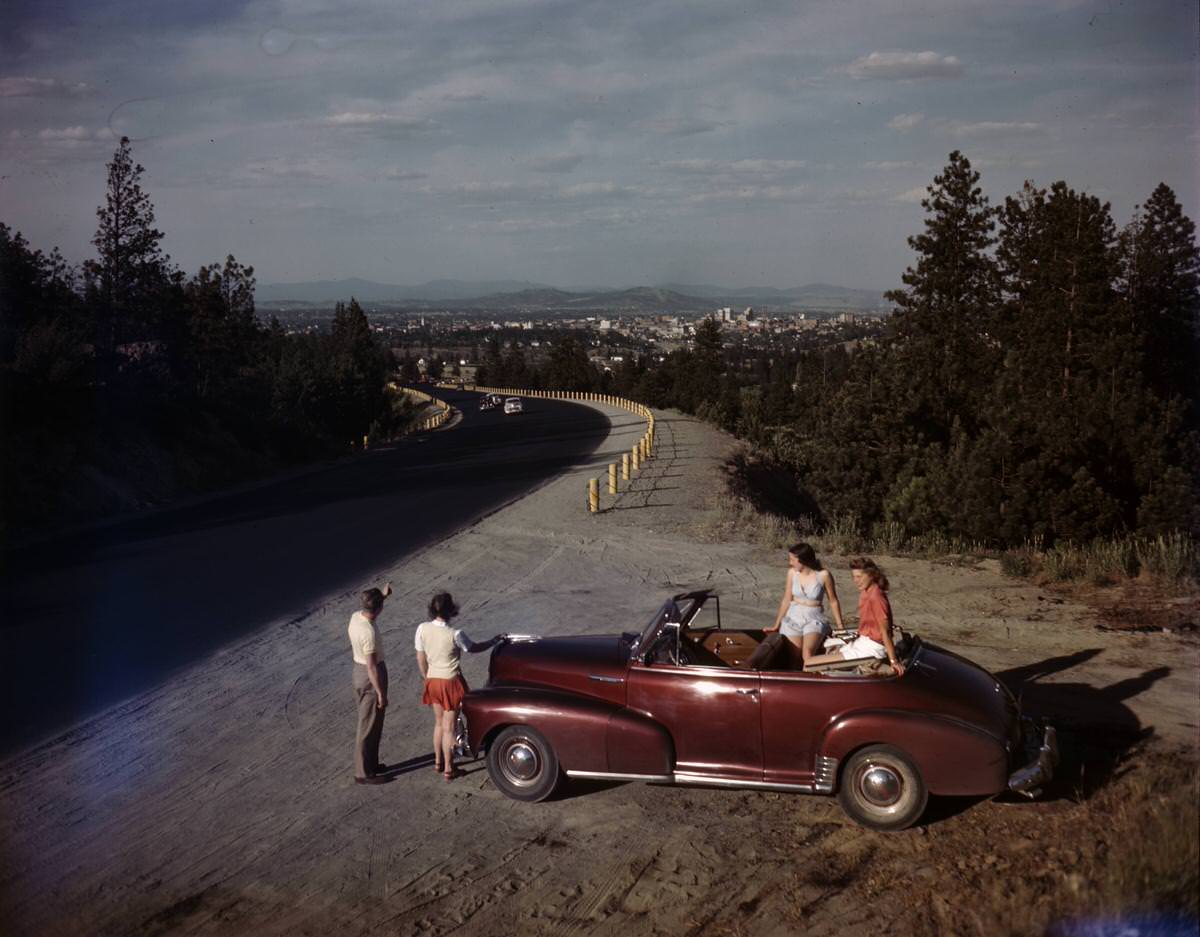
[882,789]
[522,764]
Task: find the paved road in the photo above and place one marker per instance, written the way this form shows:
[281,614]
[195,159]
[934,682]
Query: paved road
[94,620]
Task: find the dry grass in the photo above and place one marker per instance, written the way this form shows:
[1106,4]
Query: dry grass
[1170,561]
[1133,848]
[734,518]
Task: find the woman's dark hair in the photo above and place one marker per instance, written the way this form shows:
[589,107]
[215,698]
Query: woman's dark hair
[871,571]
[372,601]
[442,606]
[805,554]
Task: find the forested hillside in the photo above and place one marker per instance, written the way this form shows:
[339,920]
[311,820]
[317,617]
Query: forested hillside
[1038,382]
[126,382]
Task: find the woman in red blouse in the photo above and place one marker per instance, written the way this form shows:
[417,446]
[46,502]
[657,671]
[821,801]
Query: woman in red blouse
[874,620]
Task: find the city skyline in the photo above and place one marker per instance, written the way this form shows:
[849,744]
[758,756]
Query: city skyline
[568,143]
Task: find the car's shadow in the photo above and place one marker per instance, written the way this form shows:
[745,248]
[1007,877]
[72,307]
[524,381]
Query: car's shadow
[1096,730]
[582,787]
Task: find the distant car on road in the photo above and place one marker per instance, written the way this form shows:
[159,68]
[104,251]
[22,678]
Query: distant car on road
[686,701]
[490,401]
[513,405]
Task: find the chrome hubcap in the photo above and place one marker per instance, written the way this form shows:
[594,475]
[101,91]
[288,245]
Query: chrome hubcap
[881,785]
[521,762]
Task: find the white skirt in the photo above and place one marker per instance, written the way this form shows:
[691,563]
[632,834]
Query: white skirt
[862,646]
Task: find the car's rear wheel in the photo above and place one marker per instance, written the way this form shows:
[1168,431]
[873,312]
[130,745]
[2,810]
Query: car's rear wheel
[882,789]
[522,764]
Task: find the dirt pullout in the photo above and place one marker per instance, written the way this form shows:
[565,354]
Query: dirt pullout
[223,802]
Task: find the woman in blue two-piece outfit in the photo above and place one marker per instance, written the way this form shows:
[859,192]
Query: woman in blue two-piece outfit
[801,618]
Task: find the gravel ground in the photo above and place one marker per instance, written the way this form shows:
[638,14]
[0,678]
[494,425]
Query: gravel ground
[223,802]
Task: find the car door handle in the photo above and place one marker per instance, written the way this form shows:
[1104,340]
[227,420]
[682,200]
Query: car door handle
[747,693]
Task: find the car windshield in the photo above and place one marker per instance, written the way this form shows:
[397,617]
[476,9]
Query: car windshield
[668,612]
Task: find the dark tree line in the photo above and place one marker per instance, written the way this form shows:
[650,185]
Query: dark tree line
[126,380]
[1039,380]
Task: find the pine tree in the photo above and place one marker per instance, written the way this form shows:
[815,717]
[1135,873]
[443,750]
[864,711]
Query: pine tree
[222,330]
[1160,276]
[1074,434]
[130,268]
[944,349]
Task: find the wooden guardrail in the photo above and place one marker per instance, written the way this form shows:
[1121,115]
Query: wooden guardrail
[444,410]
[632,461]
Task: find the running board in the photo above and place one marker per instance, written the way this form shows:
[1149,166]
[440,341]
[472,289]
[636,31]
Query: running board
[696,779]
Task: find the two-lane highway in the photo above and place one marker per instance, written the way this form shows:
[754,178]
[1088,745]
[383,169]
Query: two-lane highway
[93,619]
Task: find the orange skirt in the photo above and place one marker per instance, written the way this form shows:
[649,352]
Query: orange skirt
[445,693]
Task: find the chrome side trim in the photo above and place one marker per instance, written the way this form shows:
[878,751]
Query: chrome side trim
[613,776]
[684,778]
[825,774]
[600,678]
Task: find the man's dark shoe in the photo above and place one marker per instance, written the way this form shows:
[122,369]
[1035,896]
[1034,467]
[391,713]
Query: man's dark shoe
[371,779]
[380,768]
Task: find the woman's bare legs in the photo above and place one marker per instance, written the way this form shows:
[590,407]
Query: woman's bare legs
[812,644]
[437,738]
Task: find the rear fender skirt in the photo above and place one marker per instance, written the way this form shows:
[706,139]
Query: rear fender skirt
[576,727]
[954,757]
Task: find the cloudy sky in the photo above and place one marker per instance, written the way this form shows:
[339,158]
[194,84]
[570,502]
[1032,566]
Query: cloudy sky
[603,143]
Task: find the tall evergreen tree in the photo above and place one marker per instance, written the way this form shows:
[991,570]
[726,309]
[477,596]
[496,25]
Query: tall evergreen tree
[944,349]
[222,329]
[1073,434]
[130,268]
[1160,282]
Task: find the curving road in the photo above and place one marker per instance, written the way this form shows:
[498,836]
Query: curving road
[92,620]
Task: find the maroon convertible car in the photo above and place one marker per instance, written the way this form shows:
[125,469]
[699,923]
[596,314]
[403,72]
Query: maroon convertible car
[685,701]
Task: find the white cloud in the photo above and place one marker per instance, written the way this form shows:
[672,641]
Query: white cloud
[678,126]
[561,162]
[905,122]
[752,193]
[746,167]
[518,225]
[66,133]
[905,66]
[63,138]
[988,128]
[371,120]
[890,165]
[396,174]
[23,87]
[912,195]
[282,169]
[585,189]
[477,192]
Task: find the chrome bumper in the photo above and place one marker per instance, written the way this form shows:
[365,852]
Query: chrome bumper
[1040,769]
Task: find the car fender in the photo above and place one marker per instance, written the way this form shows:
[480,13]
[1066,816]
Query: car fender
[587,734]
[954,757]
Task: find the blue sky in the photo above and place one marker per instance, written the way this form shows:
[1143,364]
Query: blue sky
[580,143]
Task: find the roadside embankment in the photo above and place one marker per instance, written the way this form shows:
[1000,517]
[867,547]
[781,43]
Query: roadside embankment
[223,801]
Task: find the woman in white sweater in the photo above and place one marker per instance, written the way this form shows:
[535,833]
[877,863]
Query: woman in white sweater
[438,649]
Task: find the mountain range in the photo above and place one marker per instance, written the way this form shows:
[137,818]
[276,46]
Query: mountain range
[510,294]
